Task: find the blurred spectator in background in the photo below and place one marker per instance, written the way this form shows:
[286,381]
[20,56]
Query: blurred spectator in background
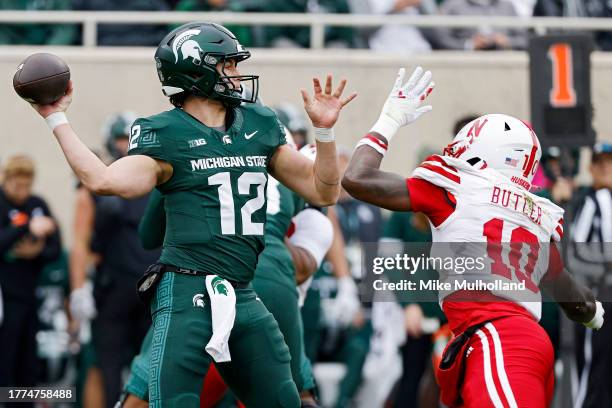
[344,335]
[299,37]
[361,225]
[483,38]
[403,234]
[37,34]
[294,119]
[89,385]
[555,174]
[109,225]
[335,37]
[554,180]
[246,34]
[579,8]
[286,37]
[396,38]
[202,5]
[591,259]
[523,8]
[53,339]
[28,241]
[126,34]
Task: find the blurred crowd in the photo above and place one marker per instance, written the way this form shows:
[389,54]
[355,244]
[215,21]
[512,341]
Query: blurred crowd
[71,317]
[400,39]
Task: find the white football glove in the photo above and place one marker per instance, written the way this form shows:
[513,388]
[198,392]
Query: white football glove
[346,303]
[404,103]
[82,304]
[598,320]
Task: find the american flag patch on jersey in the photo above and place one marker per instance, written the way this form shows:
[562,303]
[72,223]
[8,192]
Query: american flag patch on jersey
[511,162]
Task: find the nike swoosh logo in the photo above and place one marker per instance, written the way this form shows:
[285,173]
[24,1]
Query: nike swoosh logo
[247,136]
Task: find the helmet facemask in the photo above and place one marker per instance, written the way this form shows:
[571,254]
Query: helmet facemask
[225,90]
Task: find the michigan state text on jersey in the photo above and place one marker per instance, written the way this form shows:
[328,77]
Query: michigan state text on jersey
[215,201]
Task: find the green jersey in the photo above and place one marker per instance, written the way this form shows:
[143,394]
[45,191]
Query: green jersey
[276,262]
[215,201]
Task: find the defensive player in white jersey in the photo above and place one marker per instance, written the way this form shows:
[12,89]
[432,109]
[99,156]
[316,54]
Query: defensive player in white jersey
[478,191]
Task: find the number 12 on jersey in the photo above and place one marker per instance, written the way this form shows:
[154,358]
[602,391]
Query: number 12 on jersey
[226,201]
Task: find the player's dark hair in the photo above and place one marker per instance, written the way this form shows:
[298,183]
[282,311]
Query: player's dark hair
[178,100]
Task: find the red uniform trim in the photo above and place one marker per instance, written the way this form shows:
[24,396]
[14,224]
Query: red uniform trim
[532,155]
[435,202]
[442,172]
[440,160]
[376,140]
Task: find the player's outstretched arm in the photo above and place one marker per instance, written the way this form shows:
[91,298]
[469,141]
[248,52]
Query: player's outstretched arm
[364,181]
[578,302]
[127,177]
[363,178]
[318,182]
[82,304]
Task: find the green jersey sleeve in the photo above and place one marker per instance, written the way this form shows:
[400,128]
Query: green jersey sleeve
[277,130]
[282,139]
[152,227]
[144,140]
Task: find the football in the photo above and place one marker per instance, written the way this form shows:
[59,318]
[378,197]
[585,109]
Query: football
[41,78]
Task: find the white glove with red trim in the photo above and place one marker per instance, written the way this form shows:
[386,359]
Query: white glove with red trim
[404,103]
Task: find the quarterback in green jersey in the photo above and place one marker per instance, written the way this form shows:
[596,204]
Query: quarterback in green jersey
[210,158]
[282,264]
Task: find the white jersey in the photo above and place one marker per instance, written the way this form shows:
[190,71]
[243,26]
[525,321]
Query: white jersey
[489,208]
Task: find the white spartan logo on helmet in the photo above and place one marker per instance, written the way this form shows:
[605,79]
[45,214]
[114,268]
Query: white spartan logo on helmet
[188,48]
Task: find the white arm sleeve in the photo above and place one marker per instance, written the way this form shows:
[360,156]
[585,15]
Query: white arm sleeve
[313,232]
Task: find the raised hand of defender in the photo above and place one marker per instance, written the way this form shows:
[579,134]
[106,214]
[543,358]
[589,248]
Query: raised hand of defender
[404,104]
[324,107]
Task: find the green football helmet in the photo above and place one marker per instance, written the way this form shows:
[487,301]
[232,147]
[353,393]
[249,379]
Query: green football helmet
[187,61]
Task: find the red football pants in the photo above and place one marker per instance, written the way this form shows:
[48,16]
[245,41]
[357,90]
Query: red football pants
[509,363]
